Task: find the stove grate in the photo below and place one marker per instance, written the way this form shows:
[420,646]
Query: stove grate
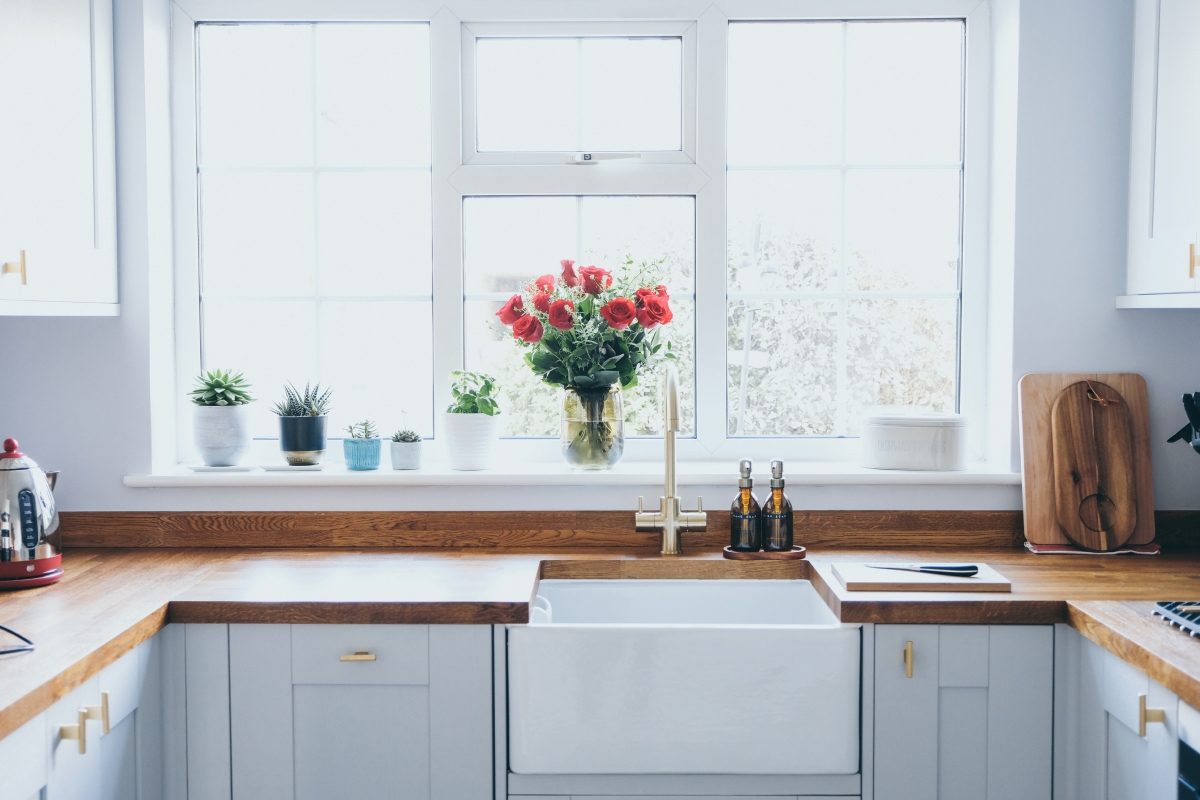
[1183,614]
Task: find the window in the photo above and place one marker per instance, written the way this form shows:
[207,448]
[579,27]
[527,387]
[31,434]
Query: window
[367,195]
[314,213]
[844,180]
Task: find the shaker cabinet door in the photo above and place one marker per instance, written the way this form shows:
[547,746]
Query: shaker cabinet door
[1142,758]
[57,156]
[979,700]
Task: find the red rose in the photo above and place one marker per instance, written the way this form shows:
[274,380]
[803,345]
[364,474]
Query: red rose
[528,329]
[595,280]
[541,301]
[620,312]
[642,294]
[511,311]
[568,273]
[654,311]
[560,314]
[545,283]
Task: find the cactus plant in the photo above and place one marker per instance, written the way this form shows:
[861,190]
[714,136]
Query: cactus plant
[362,430]
[221,388]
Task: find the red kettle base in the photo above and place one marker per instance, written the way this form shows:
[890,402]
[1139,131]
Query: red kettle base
[11,584]
[28,574]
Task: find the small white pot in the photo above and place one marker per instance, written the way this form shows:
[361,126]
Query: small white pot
[406,455]
[471,439]
[221,434]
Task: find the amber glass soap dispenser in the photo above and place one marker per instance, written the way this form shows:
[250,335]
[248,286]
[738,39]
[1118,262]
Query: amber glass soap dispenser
[777,516]
[745,516]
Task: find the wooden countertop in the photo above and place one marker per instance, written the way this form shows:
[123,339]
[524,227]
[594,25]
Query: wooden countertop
[111,600]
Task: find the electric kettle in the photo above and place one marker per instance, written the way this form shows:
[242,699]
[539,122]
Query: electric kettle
[30,545]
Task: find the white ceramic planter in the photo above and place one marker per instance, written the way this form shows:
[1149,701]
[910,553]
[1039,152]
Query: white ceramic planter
[406,455]
[221,434]
[471,439]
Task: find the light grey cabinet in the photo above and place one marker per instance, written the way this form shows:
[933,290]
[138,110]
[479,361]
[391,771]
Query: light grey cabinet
[57,158]
[1117,731]
[972,718]
[318,712]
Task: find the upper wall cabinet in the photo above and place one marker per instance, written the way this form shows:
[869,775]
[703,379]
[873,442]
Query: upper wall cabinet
[1164,181]
[58,237]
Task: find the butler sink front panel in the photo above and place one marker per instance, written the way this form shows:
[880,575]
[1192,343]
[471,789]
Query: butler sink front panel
[683,677]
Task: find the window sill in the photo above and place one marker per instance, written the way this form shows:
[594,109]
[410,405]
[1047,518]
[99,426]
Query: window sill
[629,473]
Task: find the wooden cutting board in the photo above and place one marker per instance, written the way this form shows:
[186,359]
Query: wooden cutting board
[1095,497]
[858,577]
[1037,397]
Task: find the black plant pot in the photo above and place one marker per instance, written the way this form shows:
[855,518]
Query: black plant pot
[302,439]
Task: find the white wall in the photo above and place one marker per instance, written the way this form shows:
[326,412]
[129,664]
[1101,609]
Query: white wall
[84,401]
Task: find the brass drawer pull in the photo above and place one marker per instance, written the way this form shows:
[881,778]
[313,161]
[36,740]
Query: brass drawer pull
[908,660]
[99,712]
[15,266]
[361,655]
[1191,262]
[78,731]
[1148,715]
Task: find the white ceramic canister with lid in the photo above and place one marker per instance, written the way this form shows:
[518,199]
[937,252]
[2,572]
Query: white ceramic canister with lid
[928,441]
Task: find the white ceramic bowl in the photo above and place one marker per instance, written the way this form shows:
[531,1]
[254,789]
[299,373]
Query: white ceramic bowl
[934,442]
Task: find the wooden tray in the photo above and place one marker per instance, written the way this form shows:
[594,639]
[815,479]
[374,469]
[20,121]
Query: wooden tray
[1036,394]
[765,555]
[858,577]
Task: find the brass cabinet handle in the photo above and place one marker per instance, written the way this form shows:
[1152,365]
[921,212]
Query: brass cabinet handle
[1191,260]
[908,659]
[78,731]
[15,266]
[1148,715]
[361,655]
[99,712]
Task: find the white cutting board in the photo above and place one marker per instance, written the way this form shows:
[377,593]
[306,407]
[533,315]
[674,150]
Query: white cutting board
[858,577]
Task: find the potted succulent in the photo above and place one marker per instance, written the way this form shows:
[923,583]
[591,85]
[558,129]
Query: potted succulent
[302,418]
[406,449]
[362,447]
[472,420]
[220,428]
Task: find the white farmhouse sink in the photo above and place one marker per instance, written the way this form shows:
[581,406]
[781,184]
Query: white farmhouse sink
[683,677]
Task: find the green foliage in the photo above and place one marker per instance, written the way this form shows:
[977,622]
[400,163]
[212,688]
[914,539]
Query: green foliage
[406,435]
[309,403]
[474,393]
[221,388]
[362,430]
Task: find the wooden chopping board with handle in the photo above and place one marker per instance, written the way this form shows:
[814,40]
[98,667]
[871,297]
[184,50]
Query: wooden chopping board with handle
[1095,492]
[1037,396]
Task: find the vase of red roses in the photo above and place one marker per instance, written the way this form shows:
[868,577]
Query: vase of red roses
[591,333]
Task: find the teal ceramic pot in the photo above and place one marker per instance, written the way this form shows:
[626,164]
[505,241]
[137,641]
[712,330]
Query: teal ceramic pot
[362,453]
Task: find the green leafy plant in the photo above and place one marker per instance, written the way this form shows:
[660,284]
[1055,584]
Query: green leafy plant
[406,435]
[309,403]
[474,393]
[362,430]
[221,388]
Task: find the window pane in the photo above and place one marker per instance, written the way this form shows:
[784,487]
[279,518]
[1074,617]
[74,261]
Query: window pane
[909,74]
[844,239]
[509,241]
[319,272]
[796,116]
[373,95]
[574,94]
[255,89]
[901,353]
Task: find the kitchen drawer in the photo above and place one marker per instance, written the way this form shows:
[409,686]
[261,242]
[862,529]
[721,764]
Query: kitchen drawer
[120,681]
[1122,685]
[23,756]
[401,654]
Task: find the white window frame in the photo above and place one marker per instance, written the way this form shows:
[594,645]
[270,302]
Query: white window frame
[699,170]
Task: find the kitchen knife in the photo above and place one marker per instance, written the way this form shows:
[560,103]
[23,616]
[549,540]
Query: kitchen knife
[952,570]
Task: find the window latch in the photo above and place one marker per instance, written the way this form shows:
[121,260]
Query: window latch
[593,158]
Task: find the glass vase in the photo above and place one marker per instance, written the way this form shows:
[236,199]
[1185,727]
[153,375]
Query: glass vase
[592,433]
